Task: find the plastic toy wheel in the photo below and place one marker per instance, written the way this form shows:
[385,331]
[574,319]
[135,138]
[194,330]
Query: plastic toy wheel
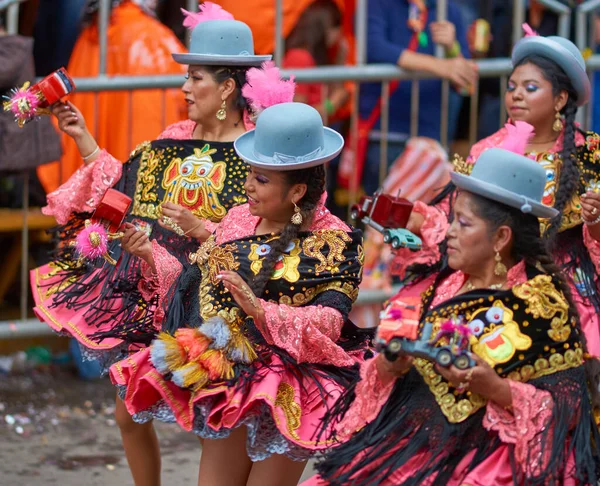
[394,346]
[395,242]
[387,237]
[444,357]
[354,214]
[462,362]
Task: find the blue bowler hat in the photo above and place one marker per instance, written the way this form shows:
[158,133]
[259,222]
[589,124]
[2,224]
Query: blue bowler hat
[564,53]
[221,43]
[508,178]
[289,136]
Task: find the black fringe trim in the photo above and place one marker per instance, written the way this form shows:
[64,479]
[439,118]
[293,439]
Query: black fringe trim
[411,414]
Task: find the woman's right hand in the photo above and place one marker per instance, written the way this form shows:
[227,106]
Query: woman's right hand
[393,369]
[70,119]
[138,244]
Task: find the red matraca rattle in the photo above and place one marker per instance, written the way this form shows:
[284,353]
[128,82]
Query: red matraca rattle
[29,102]
[92,242]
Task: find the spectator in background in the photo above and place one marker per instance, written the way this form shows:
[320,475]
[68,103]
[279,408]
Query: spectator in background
[57,26]
[389,36]
[139,45]
[317,33]
[21,149]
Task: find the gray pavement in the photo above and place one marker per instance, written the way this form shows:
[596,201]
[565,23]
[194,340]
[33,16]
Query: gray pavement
[56,429]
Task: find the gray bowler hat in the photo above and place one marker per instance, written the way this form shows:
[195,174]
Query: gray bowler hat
[508,178]
[289,136]
[564,53]
[221,43]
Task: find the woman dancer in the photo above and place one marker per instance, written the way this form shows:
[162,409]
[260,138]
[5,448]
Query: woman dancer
[509,418]
[263,342]
[547,85]
[191,171]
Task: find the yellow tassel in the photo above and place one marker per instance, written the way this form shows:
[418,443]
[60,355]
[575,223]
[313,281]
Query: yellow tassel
[174,355]
[191,375]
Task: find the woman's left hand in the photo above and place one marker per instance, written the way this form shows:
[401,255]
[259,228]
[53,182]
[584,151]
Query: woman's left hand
[480,379]
[590,206]
[242,294]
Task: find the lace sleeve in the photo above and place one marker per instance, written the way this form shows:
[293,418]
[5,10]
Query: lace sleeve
[308,334]
[531,414]
[158,284]
[85,188]
[372,391]
[433,232]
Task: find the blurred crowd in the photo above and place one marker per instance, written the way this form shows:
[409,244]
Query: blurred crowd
[142,34]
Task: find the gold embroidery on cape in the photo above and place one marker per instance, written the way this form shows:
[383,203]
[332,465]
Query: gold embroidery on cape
[200,257]
[455,410]
[502,337]
[546,301]
[291,408]
[195,182]
[144,200]
[58,267]
[335,239]
[572,358]
[302,298]
[141,147]
[221,258]
[287,264]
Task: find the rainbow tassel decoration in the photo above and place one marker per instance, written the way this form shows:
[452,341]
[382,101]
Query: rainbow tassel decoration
[217,365]
[167,354]
[192,341]
[191,375]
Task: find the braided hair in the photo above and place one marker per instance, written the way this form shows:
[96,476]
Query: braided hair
[314,178]
[569,173]
[221,74]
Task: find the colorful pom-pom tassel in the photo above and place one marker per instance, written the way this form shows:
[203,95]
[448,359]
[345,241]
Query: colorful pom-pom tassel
[192,341]
[217,365]
[218,331]
[190,375]
[92,242]
[240,349]
[166,354]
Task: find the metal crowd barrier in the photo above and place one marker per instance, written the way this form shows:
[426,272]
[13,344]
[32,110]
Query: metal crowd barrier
[361,73]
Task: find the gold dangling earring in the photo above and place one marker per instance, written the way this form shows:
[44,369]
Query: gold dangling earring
[297,216]
[222,113]
[500,269]
[557,126]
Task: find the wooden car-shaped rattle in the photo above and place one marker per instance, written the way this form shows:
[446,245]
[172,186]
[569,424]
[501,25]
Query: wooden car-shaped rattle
[92,242]
[29,102]
[388,215]
[398,333]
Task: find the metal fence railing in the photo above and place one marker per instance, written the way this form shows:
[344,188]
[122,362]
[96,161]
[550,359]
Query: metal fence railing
[360,73]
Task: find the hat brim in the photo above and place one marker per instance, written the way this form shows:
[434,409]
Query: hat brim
[214,60]
[333,144]
[495,193]
[542,46]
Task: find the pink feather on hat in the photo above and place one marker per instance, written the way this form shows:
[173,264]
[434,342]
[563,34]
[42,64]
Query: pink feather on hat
[208,11]
[529,32]
[518,135]
[264,87]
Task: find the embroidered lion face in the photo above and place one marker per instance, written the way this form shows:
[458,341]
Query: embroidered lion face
[287,264]
[496,336]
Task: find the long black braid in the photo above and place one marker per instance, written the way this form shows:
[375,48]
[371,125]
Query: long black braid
[314,178]
[569,171]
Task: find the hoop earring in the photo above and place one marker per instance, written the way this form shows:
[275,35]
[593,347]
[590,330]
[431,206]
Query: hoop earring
[297,216]
[557,126]
[222,113]
[500,269]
